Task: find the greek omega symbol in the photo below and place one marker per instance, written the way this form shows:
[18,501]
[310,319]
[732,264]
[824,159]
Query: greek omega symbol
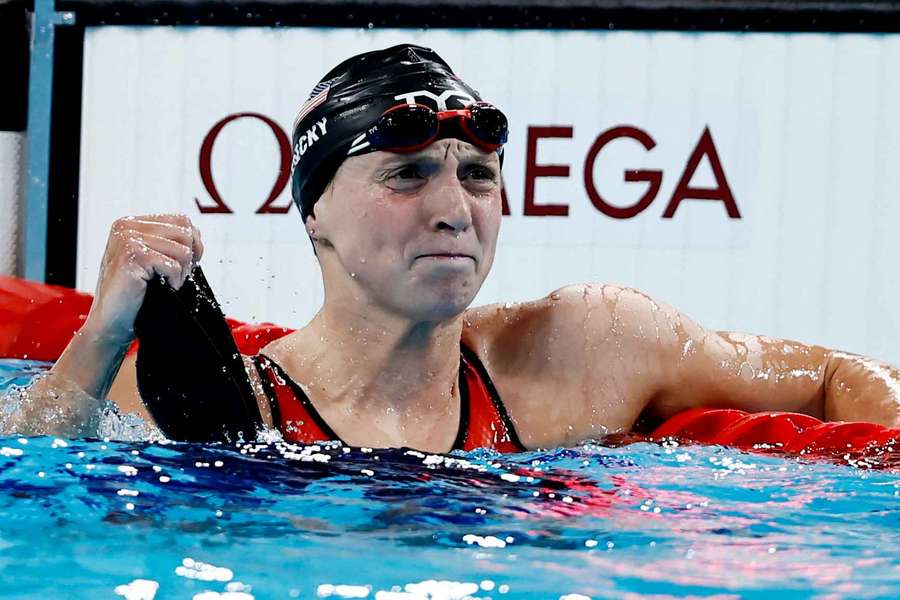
[218,205]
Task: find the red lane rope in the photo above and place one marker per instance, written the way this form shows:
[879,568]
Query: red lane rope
[37,321]
[865,444]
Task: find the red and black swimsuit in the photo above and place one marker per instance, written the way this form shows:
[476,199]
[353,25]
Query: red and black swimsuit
[483,422]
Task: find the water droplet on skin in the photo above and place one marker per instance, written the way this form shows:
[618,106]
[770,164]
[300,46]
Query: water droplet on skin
[362,260]
[353,275]
[554,296]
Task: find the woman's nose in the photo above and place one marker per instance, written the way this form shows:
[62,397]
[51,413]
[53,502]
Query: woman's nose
[448,206]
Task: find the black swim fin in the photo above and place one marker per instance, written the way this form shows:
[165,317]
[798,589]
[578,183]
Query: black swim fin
[190,374]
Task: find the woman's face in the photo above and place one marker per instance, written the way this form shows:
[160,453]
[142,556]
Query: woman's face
[412,233]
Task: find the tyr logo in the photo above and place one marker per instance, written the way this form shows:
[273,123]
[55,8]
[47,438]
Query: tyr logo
[308,139]
[441,101]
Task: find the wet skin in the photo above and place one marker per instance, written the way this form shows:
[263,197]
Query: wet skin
[405,242]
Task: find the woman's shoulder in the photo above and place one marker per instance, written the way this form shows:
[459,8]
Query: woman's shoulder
[281,347]
[534,316]
[537,337]
[508,334]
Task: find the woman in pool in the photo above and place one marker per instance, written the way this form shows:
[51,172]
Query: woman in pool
[398,176]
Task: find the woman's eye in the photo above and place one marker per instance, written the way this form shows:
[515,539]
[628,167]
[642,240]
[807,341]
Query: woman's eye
[407,173]
[483,173]
[405,178]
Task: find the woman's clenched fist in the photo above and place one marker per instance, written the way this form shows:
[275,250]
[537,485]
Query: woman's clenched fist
[138,249]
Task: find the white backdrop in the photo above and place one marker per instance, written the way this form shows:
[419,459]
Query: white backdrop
[805,128]
[12,178]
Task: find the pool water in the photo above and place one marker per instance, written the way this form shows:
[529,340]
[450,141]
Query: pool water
[137,519]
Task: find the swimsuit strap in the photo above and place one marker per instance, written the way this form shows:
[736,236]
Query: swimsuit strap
[300,422]
[490,425]
[293,413]
[483,420]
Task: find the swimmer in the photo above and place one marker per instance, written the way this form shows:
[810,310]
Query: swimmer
[397,176]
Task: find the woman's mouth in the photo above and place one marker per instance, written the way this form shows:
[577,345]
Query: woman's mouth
[446,257]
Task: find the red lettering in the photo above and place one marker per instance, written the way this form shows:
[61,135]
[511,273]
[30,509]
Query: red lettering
[652,177]
[505,203]
[722,192]
[205,159]
[534,170]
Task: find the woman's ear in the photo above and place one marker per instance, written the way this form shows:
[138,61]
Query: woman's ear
[314,231]
[311,227]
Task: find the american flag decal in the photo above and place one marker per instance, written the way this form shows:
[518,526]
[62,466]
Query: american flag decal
[316,97]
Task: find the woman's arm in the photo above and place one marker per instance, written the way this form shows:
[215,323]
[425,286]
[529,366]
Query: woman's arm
[69,399]
[758,373]
[862,389]
[593,358]
[703,368]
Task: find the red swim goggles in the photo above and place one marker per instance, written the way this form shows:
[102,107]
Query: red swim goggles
[412,127]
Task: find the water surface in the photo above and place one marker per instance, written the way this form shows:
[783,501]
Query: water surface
[93,519]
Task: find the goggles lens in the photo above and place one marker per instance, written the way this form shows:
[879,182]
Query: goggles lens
[488,123]
[411,127]
[403,126]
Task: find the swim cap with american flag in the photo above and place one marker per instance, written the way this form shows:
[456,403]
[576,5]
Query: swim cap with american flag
[351,97]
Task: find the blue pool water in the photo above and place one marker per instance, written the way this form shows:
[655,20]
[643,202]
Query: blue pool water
[107,519]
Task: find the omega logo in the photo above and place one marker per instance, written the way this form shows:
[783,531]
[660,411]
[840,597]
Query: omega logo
[284,169]
[652,178]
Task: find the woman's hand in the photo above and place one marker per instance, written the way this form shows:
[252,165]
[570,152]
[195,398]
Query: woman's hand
[138,249]
[69,401]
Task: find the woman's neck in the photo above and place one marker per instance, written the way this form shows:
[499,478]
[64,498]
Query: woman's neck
[377,363]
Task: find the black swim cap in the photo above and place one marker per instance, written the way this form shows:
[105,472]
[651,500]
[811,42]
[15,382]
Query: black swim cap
[332,123]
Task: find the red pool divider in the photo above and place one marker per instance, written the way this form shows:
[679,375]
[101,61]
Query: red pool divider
[37,321]
[865,444]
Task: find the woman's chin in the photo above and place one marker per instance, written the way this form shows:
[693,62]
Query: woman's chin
[440,307]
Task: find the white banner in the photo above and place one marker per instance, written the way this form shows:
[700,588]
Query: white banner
[750,180]
[12,178]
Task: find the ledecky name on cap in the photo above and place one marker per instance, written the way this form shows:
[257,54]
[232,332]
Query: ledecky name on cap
[305,141]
